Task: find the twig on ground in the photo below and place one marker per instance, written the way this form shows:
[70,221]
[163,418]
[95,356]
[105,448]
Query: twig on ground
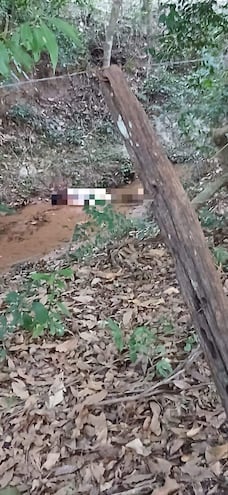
[154,389]
[139,489]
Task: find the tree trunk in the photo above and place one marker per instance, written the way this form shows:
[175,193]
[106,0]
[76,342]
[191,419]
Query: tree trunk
[110,30]
[146,13]
[178,222]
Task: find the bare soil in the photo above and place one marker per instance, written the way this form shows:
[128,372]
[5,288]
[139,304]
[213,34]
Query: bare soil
[38,228]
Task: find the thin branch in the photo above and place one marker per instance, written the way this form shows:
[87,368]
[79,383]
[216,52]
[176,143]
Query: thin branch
[154,389]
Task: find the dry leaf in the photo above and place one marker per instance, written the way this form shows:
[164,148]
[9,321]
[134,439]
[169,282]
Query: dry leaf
[176,445]
[35,484]
[109,276]
[127,317]
[138,447]
[6,478]
[55,399]
[170,487]
[67,346]
[171,290]
[84,299]
[157,252]
[150,302]
[216,468]
[100,425]
[66,469]
[195,471]
[19,389]
[6,465]
[43,295]
[106,486]
[181,384]
[89,337]
[194,431]
[94,385]
[160,466]
[155,425]
[95,281]
[51,460]
[216,453]
[93,399]
[97,471]
[55,394]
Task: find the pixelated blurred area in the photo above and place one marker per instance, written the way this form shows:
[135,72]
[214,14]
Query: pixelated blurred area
[93,197]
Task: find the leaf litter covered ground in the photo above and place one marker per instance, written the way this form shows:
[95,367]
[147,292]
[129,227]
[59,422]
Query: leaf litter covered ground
[77,416]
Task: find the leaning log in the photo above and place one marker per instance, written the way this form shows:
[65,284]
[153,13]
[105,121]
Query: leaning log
[199,281]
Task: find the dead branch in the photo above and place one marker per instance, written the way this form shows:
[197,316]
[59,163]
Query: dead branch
[209,191]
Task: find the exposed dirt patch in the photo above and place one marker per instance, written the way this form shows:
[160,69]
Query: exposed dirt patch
[57,133]
[39,227]
[35,231]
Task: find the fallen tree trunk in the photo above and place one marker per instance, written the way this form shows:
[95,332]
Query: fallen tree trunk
[178,222]
[209,191]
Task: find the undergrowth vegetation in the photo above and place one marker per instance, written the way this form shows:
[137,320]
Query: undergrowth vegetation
[39,308]
[107,225]
[199,104]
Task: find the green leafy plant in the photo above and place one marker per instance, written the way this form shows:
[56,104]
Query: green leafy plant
[141,342]
[191,341]
[199,104]
[37,307]
[189,27]
[211,220]
[117,334]
[163,367]
[221,257]
[23,43]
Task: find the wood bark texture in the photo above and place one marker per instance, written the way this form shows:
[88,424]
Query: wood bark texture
[110,31]
[198,278]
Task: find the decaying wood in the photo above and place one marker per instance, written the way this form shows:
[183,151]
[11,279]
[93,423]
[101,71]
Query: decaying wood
[196,273]
[209,191]
[220,138]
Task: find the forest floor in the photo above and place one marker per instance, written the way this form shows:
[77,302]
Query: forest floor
[123,402]
[79,415]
